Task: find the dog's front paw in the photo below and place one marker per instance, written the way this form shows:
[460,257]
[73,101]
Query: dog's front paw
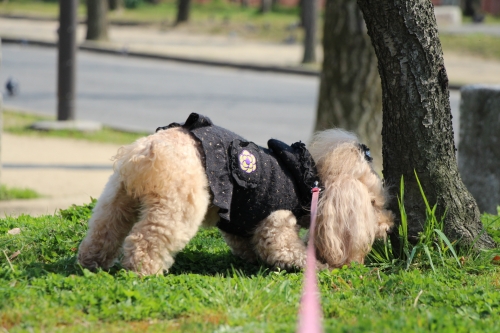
[143,267]
[136,258]
[91,265]
[91,259]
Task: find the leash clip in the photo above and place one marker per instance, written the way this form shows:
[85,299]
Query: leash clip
[316,187]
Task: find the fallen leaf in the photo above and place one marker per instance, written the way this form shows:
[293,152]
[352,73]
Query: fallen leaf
[15,254]
[14,231]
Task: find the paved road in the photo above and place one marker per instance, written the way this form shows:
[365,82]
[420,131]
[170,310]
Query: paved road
[141,94]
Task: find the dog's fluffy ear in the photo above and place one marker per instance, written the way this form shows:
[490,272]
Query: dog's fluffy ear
[345,228]
[347,220]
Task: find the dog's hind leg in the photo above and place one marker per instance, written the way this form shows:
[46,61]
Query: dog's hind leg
[114,214]
[167,175]
[240,246]
[165,227]
[277,242]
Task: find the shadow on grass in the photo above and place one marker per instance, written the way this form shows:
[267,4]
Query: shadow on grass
[65,267]
[188,262]
[199,262]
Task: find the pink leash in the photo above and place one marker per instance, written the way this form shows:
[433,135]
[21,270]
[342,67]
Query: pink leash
[310,312]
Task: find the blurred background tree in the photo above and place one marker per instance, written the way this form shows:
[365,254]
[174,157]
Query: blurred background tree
[183,7]
[115,4]
[309,17]
[97,19]
[265,6]
[350,95]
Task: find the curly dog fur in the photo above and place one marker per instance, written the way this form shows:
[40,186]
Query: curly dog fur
[158,197]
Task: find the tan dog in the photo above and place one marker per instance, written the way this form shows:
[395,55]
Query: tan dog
[159,196]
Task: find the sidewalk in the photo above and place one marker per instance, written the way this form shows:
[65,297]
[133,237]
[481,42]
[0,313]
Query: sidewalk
[64,171]
[69,172]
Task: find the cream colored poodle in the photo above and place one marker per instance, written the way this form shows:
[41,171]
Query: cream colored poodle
[166,185]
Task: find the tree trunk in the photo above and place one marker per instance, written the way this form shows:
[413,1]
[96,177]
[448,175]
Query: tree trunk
[350,95]
[1,115]
[473,9]
[301,13]
[183,7]
[265,6]
[66,60]
[310,17]
[417,130]
[97,19]
[115,4]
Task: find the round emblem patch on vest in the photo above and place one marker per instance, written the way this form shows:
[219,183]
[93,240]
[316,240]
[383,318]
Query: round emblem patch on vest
[247,161]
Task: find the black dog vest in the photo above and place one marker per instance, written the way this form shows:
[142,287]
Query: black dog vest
[248,182]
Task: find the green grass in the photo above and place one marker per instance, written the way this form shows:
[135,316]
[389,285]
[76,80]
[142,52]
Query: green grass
[220,18]
[19,124]
[209,290]
[488,19]
[10,193]
[431,248]
[432,244]
[216,17]
[479,45]
[492,225]
[38,9]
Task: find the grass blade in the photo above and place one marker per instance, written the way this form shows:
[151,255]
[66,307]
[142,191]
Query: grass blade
[410,257]
[428,207]
[447,241]
[440,254]
[403,227]
[426,249]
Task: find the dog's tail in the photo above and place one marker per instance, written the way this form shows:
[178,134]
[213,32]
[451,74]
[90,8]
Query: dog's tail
[156,162]
[345,229]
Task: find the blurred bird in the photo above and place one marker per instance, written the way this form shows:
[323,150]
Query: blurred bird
[12,87]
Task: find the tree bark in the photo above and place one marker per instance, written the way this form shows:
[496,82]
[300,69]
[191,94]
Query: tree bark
[350,95]
[310,21]
[301,13]
[1,116]
[66,60]
[183,7]
[115,4]
[97,19]
[265,6]
[417,130]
